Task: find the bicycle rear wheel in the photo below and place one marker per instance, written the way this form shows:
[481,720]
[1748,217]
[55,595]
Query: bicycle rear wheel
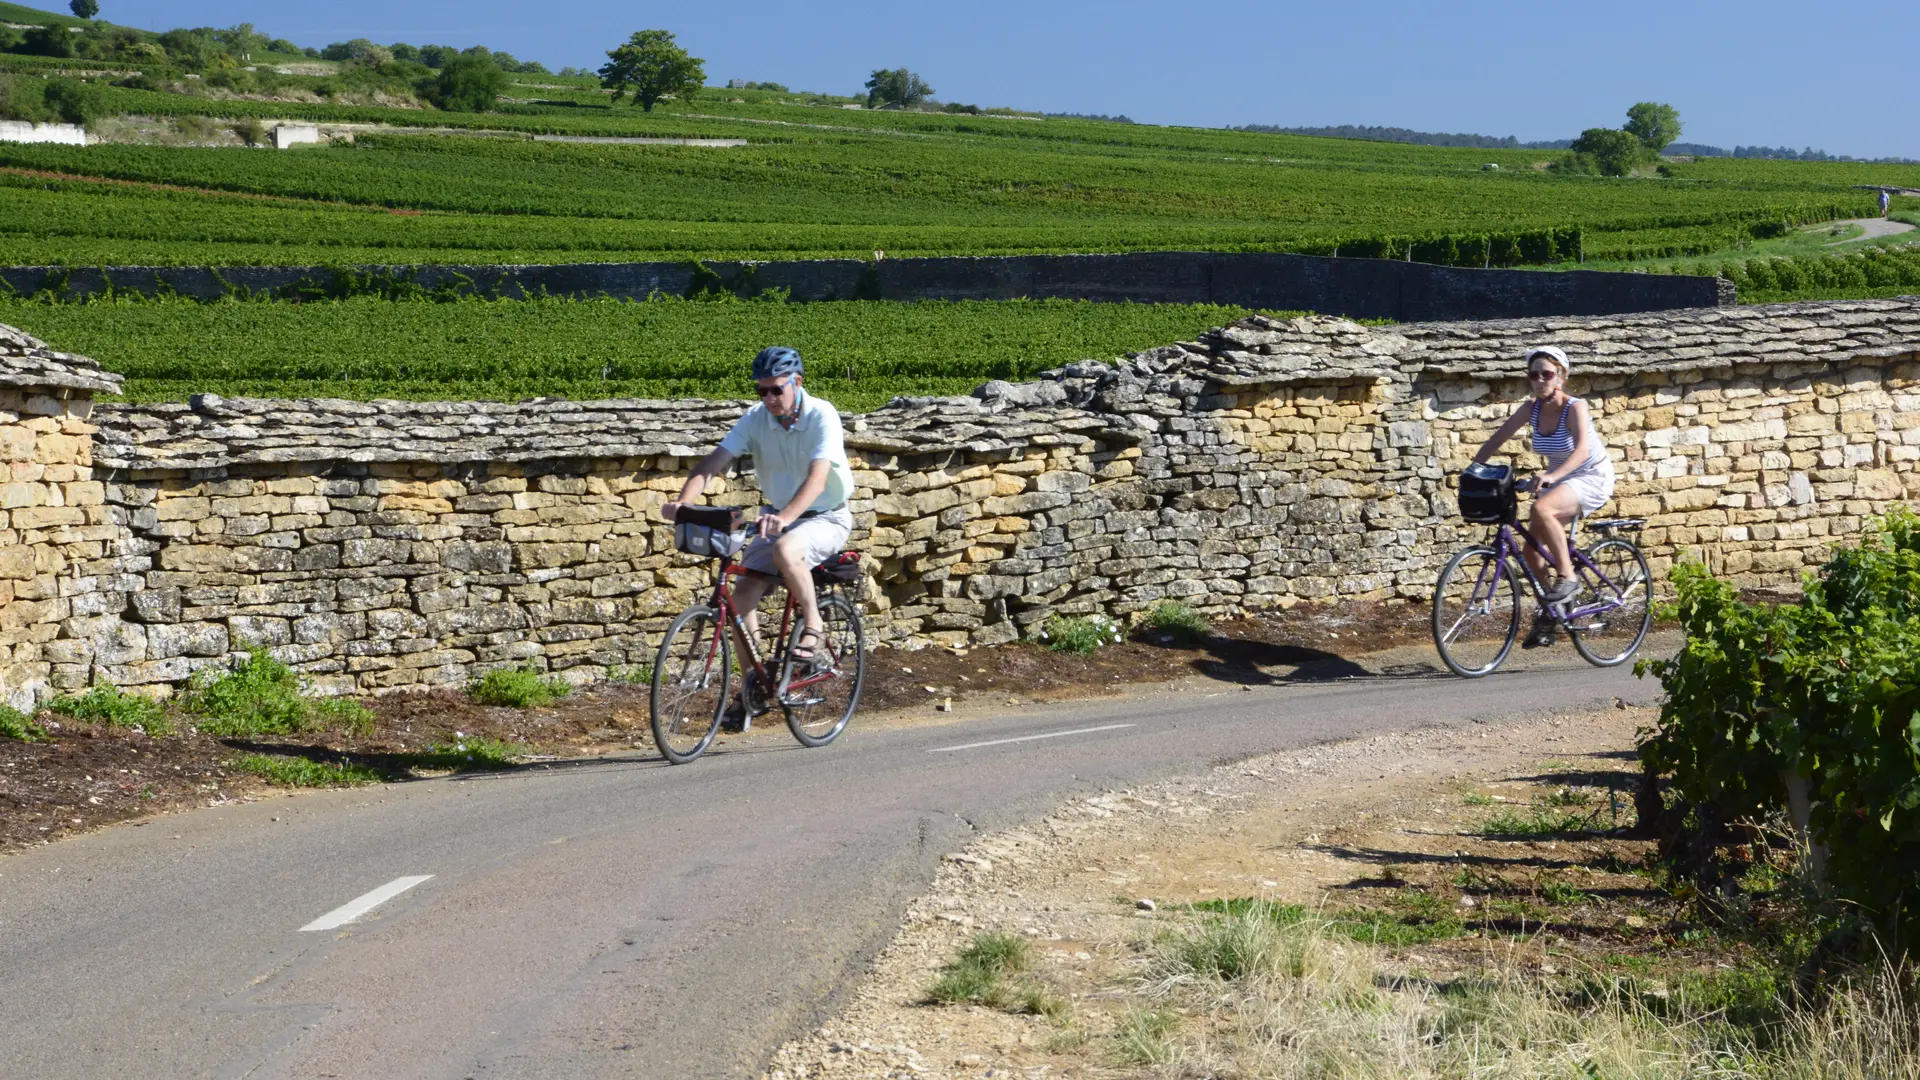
[817,712]
[1476,612]
[691,675]
[1607,638]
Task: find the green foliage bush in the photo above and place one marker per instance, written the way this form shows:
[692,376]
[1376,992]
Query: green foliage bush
[1783,278]
[1175,621]
[1608,152]
[18,726]
[465,84]
[518,687]
[262,696]
[108,705]
[1078,634]
[74,102]
[1829,689]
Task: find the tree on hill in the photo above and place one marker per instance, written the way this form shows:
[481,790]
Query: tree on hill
[650,66]
[1654,124]
[48,41]
[465,84]
[1607,151]
[85,9]
[899,88]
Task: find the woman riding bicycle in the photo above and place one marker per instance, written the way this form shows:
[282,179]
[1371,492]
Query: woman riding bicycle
[1579,475]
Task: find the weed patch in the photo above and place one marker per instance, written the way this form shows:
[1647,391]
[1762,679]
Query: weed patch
[1145,1037]
[109,706]
[260,696]
[986,973]
[631,675]
[1535,821]
[299,772]
[519,688]
[1079,634]
[467,754]
[1418,918]
[1171,621]
[18,726]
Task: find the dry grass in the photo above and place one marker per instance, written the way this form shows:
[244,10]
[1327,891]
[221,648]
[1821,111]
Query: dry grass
[1249,995]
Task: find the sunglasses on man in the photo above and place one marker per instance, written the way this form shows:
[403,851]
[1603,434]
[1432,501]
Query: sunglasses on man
[772,391]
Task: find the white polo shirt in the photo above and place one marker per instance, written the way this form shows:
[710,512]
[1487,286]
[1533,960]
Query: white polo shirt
[782,456]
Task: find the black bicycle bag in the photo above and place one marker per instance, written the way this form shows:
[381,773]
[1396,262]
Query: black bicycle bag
[1486,494]
[841,569]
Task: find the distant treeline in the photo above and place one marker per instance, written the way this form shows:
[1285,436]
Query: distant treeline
[1788,153]
[1492,142]
[1121,119]
[1404,135]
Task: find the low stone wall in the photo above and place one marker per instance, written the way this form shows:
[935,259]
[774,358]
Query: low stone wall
[1357,288]
[22,132]
[385,544]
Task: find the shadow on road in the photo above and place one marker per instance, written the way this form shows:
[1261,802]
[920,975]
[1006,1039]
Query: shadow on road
[1254,663]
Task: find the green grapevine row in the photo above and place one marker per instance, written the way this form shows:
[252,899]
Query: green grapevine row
[860,354]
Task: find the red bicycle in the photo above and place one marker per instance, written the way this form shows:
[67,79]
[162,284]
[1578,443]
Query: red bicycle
[694,669]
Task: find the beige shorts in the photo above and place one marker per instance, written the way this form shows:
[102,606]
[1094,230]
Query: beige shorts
[821,537]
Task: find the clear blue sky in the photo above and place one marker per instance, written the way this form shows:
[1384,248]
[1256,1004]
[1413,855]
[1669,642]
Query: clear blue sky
[1833,76]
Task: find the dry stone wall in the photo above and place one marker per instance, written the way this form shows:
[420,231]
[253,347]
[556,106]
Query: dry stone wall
[387,544]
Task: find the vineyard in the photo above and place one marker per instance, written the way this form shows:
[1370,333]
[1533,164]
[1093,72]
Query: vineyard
[859,353]
[831,182]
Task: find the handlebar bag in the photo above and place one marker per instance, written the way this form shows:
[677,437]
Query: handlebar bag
[1486,494]
[710,532]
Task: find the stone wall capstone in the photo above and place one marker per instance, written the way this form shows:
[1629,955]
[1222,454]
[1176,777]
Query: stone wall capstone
[378,545]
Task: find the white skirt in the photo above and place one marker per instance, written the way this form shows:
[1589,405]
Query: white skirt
[1593,488]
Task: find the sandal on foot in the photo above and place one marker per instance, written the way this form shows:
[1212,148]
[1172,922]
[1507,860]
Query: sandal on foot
[804,654]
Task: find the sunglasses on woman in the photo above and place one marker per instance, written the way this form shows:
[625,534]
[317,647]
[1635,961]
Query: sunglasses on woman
[1542,373]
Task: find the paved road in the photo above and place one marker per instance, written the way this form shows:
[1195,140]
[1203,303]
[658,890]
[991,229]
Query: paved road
[612,918]
[1872,229]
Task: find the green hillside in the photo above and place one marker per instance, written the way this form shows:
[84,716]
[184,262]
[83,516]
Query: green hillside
[172,180]
[26,16]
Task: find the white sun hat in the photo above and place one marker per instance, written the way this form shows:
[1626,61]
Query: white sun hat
[1559,357]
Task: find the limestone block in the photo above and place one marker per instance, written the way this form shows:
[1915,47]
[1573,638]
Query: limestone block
[377,551]
[259,631]
[21,493]
[186,639]
[16,442]
[18,563]
[1878,484]
[487,557]
[483,619]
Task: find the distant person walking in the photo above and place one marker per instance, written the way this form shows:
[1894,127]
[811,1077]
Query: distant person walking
[1885,198]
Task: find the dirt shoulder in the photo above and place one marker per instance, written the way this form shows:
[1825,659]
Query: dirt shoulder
[87,776]
[1456,844]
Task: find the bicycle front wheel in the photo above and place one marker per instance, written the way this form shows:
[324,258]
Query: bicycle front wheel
[1608,637]
[1476,612]
[820,706]
[691,674]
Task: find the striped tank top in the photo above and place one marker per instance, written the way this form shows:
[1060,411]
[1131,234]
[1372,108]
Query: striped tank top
[1557,445]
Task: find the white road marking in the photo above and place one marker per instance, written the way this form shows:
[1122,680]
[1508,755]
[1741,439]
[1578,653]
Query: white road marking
[1029,738]
[355,908]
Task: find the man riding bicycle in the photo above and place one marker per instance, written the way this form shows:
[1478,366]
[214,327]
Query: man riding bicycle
[800,459]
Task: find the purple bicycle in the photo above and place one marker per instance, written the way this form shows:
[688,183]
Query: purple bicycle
[1476,604]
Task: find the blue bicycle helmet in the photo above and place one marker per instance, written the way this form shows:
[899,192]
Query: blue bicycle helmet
[777,360]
